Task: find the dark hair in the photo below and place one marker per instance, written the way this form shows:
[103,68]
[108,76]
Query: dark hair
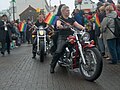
[110,1]
[99,4]
[28,19]
[4,15]
[41,13]
[59,10]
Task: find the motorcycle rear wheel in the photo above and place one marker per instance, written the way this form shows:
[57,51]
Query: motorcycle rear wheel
[92,70]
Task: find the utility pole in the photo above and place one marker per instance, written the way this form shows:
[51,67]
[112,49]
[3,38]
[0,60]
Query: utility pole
[50,3]
[13,2]
[60,2]
[80,2]
[8,10]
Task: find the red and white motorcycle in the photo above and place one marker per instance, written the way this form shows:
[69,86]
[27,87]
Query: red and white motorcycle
[83,54]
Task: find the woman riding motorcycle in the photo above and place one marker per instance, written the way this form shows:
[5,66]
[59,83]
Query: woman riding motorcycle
[63,34]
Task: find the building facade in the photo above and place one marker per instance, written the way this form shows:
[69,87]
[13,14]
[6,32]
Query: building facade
[21,5]
[88,5]
[29,13]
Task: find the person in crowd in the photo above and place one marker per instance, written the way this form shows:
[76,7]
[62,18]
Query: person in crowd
[22,32]
[113,45]
[118,10]
[99,41]
[99,4]
[28,31]
[55,36]
[5,34]
[105,49]
[39,22]
[78,16]
[112,3]
[17,33]
[63,33]
[89,26]
[102,13]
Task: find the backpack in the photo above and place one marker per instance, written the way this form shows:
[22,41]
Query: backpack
[117,27]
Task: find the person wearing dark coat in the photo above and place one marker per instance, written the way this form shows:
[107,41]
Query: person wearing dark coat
[5,34]
[78,16]
[28,31]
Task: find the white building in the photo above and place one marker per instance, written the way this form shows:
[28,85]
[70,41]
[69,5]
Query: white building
[86,5]
[21,5]
[6,11]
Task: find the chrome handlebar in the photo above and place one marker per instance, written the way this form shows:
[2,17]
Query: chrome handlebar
[40,28]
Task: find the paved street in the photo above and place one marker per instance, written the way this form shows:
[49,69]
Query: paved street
[19,71]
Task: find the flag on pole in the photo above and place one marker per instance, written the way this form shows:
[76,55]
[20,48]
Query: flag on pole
[22,27]
[51,19]
[97,20]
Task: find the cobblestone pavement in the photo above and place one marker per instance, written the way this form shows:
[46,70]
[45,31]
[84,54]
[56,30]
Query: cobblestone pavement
[19,71]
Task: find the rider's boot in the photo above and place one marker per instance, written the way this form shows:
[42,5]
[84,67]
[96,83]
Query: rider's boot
[52,69]
[34,56]
[56,56]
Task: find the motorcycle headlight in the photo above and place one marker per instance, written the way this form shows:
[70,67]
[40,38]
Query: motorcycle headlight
[33,36]
[41,32]
[86,36]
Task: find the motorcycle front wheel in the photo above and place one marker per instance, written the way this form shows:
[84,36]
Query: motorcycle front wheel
[41,51]
[94,64]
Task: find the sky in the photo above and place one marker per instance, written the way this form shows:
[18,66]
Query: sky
[4,4]
[69,3]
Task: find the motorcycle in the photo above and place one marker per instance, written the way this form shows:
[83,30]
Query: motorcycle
[42,42]
[82,54]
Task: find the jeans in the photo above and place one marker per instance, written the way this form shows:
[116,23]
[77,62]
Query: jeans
[55,38]
[23,37]
[114,48]
[101,45]
[61,45]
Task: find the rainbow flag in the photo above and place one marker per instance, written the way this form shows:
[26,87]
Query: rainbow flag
[51,19]
[97,20]
[22,27]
